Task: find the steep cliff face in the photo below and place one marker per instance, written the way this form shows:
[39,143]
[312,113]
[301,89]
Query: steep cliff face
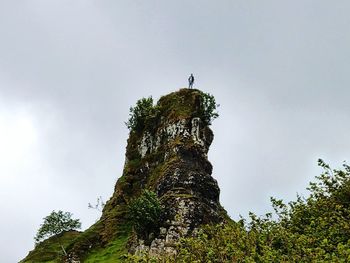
[167,154]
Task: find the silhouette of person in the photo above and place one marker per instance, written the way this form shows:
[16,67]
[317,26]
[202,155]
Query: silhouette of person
[190,81]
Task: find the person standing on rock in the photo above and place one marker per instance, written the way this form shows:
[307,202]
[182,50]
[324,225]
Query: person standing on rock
[190,81]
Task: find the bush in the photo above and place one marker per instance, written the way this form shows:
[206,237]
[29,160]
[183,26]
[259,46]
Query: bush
[208,108]
[316,228]
[145,213]
[139,113]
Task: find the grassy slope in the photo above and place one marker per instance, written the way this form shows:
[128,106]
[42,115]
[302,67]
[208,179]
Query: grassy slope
[49,250]
[112,253]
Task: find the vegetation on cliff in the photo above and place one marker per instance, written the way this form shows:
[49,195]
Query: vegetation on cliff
[145,114]
[145,213]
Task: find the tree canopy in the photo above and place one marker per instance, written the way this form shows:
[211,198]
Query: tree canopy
[56,223]
[139,113]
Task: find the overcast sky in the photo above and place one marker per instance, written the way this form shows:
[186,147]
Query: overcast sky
[70,70]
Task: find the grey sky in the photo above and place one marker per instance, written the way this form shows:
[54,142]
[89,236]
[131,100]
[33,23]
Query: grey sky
[70,70]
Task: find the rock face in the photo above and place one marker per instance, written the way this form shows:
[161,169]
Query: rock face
[167,154]
[172,161]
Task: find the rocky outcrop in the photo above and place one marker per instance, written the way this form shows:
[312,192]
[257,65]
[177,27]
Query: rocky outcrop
[180,174]
[166,153]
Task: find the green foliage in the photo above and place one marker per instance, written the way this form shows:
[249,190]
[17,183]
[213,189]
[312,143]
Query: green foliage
[208,108]
[56,223]
[220,243]
[316,228]
[112,253]
[139,113]
[145,212]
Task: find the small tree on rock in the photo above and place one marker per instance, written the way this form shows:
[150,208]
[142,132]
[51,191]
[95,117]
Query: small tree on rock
[139,113]
[209,108]
[145,212]
[56,223]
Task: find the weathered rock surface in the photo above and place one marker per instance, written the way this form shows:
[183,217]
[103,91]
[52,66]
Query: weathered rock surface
[180,175]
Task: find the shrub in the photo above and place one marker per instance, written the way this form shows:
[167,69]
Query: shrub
[208,108]
[145,212]
[139,113]
[312,229]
